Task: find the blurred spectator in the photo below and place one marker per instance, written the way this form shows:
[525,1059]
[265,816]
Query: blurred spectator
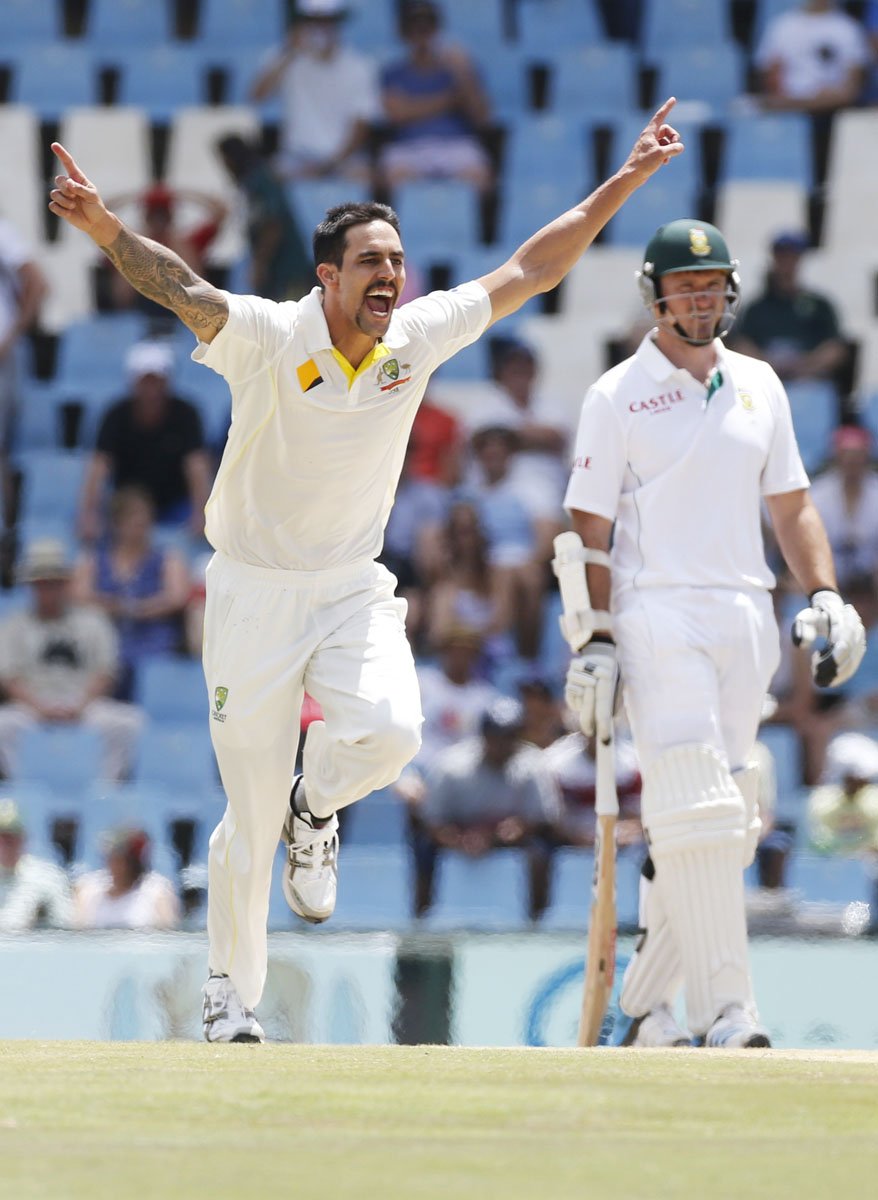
[792,328]
[142,587]
[491,791]
[812,59]
[33,892]
[466,589]
[870,20]
[571,762]
[150,439]
[843,812]
[543,720]
[58,663]
[126,894]
[159,206]
[329,96]
[775,837]
[435,104]
[846,496]
[280,267]
[22,290]
[416,517]
[434,445]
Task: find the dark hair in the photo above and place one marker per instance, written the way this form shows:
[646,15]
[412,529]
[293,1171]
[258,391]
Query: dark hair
[417,12]
[330,236]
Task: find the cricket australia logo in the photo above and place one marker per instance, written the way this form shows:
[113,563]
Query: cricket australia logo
[220,696]
[391,374]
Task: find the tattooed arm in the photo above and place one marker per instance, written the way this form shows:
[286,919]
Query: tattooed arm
[154,270]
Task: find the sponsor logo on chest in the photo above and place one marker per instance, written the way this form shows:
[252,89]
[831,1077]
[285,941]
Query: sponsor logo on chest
[661,403]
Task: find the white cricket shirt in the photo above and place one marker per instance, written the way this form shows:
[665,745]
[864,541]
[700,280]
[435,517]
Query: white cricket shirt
[315,450]
[683,474]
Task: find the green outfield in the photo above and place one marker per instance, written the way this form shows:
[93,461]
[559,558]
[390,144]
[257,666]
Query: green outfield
[186,1120]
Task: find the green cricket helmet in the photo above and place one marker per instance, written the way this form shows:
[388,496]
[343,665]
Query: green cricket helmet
[689,245]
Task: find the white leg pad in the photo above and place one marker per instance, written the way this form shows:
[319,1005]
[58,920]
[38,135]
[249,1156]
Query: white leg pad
[748,780]
[655,973]
[694,816]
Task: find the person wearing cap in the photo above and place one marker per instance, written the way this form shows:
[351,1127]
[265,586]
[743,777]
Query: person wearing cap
[846,496]
[794,329]
[324,393]
[842,813]
[58,665]
[435,105]
[126,893]
[328,92]
[34,892]
[491,791]
[152,439]
[677,449]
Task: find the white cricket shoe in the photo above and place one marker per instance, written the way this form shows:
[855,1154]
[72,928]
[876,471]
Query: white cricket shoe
[657,1029]
[737,1029]
[310,879]
[225,1017]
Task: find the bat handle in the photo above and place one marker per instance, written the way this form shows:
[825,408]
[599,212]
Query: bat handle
[606,799]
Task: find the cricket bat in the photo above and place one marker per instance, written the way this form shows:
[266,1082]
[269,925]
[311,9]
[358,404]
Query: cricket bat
[600,962]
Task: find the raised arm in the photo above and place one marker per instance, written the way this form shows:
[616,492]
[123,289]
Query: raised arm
[544,259]
[154,270]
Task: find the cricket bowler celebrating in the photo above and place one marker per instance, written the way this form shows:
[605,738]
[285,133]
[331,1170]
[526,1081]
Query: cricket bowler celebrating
[324,393]
[678,446]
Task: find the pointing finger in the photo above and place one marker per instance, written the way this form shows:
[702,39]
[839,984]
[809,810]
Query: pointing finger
[659,117]
[69,163]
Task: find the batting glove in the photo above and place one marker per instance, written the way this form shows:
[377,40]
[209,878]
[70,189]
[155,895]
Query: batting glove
[592,688]
[839,625]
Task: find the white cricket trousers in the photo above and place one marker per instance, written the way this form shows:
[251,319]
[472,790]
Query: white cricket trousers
[268,636]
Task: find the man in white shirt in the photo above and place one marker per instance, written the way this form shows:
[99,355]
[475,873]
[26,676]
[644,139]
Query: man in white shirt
[324,393]
[329,96]
[678,446]
[812,59]
[33,892]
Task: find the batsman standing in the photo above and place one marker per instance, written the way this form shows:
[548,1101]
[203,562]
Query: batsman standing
[324,393]
[676,449]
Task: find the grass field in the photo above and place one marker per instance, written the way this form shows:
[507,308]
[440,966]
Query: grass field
[187,1120]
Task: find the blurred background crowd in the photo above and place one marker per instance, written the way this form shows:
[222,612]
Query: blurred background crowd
[224,128]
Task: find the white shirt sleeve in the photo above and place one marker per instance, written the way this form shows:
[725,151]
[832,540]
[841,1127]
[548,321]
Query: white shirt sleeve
[772,42]
[254,335]
[599,459]
[448,321]
[783,470]
[14,250]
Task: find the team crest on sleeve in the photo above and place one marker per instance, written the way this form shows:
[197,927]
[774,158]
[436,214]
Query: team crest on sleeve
[220,696]
[698,243]
[746,400]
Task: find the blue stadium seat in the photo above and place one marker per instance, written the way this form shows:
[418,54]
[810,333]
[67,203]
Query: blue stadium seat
[783,743]
[480,893]
[374,888]
[685,171]
[436,214]
[686,23]
[831,880]
[474,24]
[649,207]
[38,805]
[814,406]
[371,27]
[108,807]
[141,23]
[768,10]
[26,23]
[37,425]
[240,68]
[505,72]
[378,820]
[179,756]
[241,23]
[546,25]
[598,81]
[469,363]
[701,73]
[170,690]
[571,892]
[310,198]
[529,205]
[67,759]
[769,146]
[52,483]
[209,393]
[865,680]
[162,79]
[92,352]
[546,146]
[53,77]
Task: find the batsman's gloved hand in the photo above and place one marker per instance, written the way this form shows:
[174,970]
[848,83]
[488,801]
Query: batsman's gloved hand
[592,689]
[840,627]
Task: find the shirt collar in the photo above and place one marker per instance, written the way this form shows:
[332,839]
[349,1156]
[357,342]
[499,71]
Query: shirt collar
[661,368]
[315,331]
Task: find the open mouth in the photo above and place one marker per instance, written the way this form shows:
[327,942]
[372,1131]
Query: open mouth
[380,301]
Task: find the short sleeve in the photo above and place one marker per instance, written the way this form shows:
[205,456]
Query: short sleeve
[599,459]
[448,321]
[783,470]
[254,335]
[771,44]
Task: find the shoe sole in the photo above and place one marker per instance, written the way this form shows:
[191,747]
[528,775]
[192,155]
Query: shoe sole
[247,1037]
[758,1042]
